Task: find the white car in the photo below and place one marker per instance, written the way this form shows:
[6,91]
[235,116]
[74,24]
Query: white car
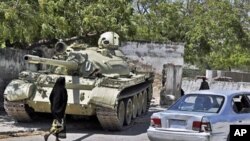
[201,116]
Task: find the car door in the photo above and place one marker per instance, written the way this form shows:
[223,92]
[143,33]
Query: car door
[237,113]
[241,108]
[246,108]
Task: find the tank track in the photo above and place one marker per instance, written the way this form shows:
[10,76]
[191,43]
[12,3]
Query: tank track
[17,110]
[108,117]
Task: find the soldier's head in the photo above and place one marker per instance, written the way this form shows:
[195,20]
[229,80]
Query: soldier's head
[109,40]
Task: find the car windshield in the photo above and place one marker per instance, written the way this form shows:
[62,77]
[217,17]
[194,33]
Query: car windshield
[199,103]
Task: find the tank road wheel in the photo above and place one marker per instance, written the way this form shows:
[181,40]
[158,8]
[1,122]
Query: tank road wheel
[145,102]
[129,111]
[121,113]
[135,106]
[139,110]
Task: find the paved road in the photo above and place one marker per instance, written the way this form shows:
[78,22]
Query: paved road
[82,130]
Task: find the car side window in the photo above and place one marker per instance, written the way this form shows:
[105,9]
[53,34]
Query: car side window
[241,104]
[199,103]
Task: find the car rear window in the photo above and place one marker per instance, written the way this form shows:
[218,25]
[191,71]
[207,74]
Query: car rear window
[199,103]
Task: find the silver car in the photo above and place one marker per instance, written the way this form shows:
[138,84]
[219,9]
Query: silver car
[201,116]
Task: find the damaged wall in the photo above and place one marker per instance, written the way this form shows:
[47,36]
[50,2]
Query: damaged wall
[154,54]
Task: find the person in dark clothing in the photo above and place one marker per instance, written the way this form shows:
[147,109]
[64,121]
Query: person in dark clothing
[204,84]
[58,99]
[182,92]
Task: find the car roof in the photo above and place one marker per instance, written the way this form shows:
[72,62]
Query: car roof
[219,92]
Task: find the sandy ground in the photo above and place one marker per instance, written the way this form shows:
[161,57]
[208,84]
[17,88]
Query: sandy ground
[85,129]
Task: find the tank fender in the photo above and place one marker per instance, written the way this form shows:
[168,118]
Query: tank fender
[104,96]
[18,90]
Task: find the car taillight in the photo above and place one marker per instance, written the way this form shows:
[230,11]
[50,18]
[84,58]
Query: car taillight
[155,122]
[202,126]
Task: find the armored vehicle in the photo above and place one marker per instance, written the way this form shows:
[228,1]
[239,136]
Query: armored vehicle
[99,83]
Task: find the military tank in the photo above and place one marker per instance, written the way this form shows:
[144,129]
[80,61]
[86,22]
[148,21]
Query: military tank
[99,83]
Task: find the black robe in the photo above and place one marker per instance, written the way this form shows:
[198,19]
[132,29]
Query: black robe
[204,85]
[58,99]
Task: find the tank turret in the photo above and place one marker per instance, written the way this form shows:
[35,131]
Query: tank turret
[85,63]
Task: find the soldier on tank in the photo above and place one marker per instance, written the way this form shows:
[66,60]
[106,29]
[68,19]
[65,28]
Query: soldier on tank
[58,99]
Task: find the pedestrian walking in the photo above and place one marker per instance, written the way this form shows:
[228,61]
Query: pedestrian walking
[204,84]
[58,99]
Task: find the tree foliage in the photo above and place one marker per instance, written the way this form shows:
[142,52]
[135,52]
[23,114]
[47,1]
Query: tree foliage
[27,21]
[217,36]
[215,32]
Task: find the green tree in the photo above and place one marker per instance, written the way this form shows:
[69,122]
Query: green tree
[215,32]
[216,36]
[159,20]
[28,21]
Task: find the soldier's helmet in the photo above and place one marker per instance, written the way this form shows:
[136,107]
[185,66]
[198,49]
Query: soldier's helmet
[109,40]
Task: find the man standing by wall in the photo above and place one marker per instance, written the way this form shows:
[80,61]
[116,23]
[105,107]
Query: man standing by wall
[204,84]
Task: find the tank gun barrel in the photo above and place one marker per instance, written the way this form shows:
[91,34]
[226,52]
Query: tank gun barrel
[39,60]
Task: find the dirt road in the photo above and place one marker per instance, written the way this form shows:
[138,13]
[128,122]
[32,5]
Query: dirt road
[78,130]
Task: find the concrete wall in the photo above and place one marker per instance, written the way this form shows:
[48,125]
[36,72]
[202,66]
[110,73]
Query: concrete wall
[11,61]
[236,76]
[240,81]
[11,64]
[154,54]
[189,85]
